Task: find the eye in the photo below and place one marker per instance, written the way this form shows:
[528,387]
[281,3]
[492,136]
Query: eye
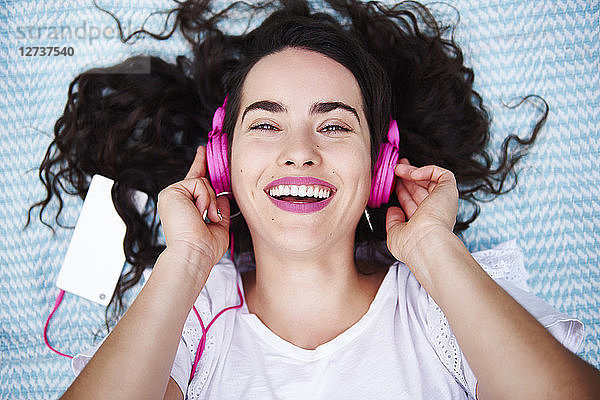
[334,128]
[264,127]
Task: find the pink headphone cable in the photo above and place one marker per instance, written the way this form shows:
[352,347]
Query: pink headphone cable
[201,345]
[56,304]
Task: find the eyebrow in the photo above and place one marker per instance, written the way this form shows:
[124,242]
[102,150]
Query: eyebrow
[317,108]
[264,105]
[321,108]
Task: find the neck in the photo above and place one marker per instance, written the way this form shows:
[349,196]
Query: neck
[309,297]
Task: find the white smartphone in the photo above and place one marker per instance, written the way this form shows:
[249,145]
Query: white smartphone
[95,257]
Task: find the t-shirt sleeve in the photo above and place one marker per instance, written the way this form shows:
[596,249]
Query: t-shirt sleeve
[219,292]
[505,265]
[180,371]
[80,360]
[182,367]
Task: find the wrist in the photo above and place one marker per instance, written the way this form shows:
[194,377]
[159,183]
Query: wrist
[426,254]
[186,265]
[420,245]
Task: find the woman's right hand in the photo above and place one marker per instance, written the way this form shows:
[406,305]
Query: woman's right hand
[181,207]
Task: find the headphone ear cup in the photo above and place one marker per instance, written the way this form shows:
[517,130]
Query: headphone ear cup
[218,165]
[225,173]
[211,162]
[382,183]
[216,154]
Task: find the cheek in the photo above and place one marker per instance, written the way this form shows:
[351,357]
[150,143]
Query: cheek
[246,167]
[363,176]
[239,171]
[354,169]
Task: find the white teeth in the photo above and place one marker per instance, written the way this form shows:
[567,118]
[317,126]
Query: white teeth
[300,191]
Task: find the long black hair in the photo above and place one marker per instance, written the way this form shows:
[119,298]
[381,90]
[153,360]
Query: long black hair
[142,130]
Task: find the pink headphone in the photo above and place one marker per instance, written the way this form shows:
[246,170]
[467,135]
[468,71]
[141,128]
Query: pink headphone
[382,183]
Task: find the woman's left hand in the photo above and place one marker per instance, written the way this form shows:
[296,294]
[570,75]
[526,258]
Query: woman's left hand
[429,200]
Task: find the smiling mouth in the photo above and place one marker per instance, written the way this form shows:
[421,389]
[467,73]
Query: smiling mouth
[300,193]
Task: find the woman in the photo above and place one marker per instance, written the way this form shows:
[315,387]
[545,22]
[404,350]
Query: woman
[307,108]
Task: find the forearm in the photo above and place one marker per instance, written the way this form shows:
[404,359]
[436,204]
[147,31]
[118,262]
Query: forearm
[136,358]
[512,355]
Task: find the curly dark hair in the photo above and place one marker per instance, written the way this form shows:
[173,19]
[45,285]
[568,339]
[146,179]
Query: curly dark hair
[142,130]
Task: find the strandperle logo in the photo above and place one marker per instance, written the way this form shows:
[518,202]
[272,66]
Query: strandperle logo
[66,32]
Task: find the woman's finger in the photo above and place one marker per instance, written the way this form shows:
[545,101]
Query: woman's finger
[224,209]
[431,173]
[220,227]
[393,217]
[404,170]
[198,167]
[417,192]
[212,209]
[179,209]
[405,199]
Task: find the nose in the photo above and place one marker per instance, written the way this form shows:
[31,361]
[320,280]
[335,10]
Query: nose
[300,149]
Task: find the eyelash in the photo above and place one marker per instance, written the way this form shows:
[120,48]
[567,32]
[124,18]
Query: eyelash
[327,128]
[339,128]
[264,127]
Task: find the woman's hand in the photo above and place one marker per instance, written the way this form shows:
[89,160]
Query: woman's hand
[429,200]
[181,207]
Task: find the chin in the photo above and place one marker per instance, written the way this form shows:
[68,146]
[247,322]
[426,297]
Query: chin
[290,236]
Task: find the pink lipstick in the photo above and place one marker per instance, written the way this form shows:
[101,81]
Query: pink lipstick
[300,194]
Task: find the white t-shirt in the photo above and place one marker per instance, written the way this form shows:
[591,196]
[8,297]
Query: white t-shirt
[402,348]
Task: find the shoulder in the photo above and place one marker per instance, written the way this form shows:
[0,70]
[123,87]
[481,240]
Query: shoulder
[219,291]
[427,319]
[208,329]
[504,263]
[222,279]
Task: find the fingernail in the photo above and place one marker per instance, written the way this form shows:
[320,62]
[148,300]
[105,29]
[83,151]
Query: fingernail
[220,215]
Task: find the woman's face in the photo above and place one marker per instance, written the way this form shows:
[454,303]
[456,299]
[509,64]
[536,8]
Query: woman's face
[300,157]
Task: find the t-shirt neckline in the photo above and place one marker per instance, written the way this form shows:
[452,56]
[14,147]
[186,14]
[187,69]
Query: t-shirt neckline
[286,348]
